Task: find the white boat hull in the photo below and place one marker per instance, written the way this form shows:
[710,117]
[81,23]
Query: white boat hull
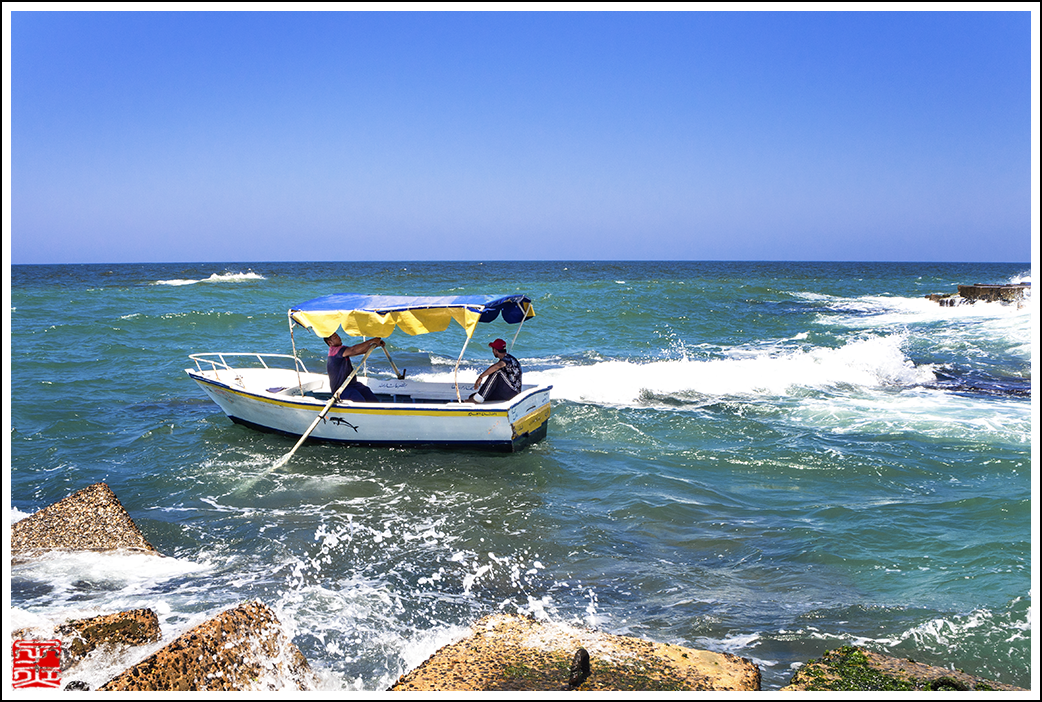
[271,400]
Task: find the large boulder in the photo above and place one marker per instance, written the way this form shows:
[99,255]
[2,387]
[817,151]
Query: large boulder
[853,668]
[89,520]
[507,652]
[243,648]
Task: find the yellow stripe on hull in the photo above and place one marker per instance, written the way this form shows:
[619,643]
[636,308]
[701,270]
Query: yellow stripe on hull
[532,420]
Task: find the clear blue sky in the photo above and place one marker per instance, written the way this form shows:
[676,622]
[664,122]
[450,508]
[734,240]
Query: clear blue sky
[241,136]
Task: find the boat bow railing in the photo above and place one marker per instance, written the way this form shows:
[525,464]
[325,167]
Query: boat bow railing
[220,361]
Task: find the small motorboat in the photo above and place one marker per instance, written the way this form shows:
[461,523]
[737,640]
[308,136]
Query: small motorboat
[277,393]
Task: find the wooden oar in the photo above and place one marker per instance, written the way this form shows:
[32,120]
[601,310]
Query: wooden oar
[322,414]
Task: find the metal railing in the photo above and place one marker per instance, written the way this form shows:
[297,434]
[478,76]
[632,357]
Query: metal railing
[217,361]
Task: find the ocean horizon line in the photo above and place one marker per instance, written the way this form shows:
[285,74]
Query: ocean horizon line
[533,260]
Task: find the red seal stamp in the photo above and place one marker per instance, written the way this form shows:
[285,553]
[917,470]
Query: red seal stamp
[36,664]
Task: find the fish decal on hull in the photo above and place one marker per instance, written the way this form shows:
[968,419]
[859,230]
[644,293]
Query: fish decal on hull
[341,422]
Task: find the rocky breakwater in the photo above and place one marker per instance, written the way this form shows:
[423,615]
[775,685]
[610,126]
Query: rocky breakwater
[509,652]
[994,293]
[1009,293]
[243,648]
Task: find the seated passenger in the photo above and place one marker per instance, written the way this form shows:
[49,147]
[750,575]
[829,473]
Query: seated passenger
[500,381]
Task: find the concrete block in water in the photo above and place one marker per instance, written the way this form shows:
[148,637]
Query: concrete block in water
[89,520]
[243,648]
[507,652]
[122,629]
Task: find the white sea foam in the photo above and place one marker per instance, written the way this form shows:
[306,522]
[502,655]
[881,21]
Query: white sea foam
[115,567]
[888,312]
[941,634]
[927,412]
[214,278]
[870,363]
[360,611]
[125,577]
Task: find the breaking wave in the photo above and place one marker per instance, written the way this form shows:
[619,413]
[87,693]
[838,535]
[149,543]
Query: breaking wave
[870,363]
[214,278]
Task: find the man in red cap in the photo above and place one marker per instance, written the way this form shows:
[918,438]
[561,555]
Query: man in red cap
[501,380]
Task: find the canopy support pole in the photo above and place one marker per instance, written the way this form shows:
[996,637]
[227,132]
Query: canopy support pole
[296,363]
[455,372]
[524,316]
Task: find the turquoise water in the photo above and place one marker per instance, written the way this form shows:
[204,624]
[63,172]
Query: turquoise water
[768,459]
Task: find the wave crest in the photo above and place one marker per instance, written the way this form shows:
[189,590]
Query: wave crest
[225,277]
[870,363]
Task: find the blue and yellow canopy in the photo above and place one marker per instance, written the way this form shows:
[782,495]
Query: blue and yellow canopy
[379,315]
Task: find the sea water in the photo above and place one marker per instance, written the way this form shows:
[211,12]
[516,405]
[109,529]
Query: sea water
[764,459]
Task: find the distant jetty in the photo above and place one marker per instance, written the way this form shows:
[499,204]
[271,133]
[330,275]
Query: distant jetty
[969,294]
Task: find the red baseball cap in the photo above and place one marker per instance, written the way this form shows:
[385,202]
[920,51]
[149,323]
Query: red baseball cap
[499,345]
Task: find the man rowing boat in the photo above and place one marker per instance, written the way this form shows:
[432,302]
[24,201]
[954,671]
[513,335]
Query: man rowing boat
[338,367]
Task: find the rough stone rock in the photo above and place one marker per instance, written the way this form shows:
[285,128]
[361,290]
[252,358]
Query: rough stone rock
[123,629]
[506,652]
[243,648]
[969,294]
[81,636]
[994,293]
[89,520]
[852,668]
